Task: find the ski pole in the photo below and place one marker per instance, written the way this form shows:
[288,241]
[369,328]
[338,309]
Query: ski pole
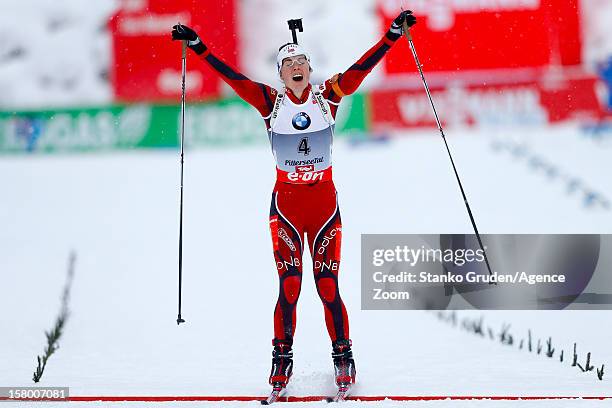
[467,205]
[180,320]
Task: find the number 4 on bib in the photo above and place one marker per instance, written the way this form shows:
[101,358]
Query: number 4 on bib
[303,147]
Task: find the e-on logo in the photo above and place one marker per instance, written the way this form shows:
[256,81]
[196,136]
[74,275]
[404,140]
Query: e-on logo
[301,121]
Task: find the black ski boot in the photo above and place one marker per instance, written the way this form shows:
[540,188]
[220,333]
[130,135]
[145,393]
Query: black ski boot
[282,364]
[344,365]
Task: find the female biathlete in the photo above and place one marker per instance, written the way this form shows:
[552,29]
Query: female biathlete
[300,124]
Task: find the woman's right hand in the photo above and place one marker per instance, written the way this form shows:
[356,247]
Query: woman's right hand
[184,33]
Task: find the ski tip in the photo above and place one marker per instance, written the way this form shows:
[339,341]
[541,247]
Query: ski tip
[271,399]
[342,395]
[277,390]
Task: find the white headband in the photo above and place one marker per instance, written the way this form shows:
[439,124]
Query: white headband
[290,50]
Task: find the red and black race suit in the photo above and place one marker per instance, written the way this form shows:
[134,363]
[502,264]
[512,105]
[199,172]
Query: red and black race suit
[311,212]
[307,210]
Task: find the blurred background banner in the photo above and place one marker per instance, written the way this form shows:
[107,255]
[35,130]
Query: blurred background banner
[477,35]
[226,122]
[489,63]
[517,103]
[146,66]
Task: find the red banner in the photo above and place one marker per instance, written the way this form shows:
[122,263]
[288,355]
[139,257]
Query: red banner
[535,102]
[485,34]
[147,64]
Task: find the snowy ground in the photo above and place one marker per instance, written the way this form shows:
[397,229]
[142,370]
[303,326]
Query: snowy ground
[119,212]
[354,404]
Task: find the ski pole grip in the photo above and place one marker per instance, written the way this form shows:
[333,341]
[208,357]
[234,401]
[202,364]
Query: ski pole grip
[184,47]
[407,32]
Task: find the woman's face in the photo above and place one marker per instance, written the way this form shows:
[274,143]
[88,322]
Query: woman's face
[295,71]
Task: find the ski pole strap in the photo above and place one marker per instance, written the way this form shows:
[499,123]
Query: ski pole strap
[407,31]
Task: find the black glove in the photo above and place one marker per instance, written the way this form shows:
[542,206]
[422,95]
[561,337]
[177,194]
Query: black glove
[182,32]
[397,27]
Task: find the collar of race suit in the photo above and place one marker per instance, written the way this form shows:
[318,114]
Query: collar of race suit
[303,98]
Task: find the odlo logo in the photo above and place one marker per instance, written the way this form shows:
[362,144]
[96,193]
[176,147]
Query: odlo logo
[327,239]
[301,121]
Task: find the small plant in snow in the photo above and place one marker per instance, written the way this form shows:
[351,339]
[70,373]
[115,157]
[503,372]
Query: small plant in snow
[550,351]
[55,333]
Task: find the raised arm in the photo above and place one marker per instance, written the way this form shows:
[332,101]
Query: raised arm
[348,82]
[259,95]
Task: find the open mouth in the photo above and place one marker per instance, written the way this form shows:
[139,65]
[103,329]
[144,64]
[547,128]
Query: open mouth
[297,77]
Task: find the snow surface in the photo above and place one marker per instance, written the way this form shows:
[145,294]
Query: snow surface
[353,404]
[120,213]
